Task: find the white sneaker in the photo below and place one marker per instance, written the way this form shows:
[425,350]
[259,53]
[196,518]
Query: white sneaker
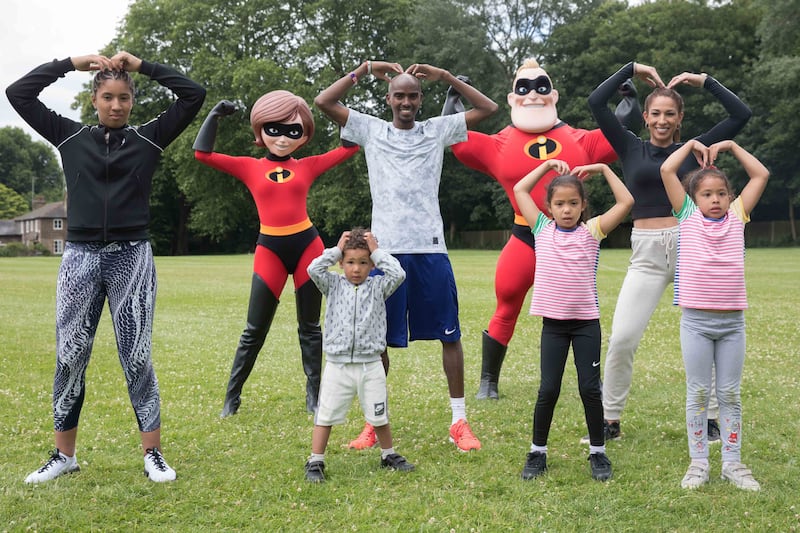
[739,475]
[156,468]
[57,464]
[696,476]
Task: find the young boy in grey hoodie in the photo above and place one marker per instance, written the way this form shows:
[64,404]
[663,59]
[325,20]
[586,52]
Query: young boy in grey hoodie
[353,340]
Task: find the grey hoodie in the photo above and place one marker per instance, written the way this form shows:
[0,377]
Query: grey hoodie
[355,315]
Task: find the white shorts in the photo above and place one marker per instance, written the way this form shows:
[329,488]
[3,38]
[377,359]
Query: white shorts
[341,382]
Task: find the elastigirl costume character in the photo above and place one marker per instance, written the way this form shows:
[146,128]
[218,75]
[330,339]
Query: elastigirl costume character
[535,135]
[287,240]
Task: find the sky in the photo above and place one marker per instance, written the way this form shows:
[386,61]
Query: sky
[33,32]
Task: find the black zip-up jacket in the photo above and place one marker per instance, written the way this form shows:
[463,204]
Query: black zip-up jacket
[109,178]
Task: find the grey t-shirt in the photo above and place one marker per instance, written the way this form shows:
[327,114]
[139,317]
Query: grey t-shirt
[405,167]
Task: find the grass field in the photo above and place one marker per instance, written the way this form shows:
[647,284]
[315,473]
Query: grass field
[245,473]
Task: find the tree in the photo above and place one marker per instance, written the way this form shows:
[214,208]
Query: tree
[28,166]
[12,203]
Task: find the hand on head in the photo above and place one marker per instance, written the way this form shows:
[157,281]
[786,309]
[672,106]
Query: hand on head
[587,171]
[425,72]
[119,61]
[343,240]
[372,242]
[687,78]
[559,166]
[383,69]
[647,74]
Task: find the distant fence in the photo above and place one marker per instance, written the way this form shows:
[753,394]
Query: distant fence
[774,233]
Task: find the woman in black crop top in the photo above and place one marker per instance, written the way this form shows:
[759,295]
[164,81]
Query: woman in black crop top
[655,230]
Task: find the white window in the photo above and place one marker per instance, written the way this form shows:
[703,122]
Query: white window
[58,246]
[58,224]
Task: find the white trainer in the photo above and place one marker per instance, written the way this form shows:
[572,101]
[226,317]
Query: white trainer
[739,475]
[696,475]
[56,465]
[156,468]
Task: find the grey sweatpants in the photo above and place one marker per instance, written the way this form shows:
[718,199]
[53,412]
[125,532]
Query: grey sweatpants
[651,271]
[713,339]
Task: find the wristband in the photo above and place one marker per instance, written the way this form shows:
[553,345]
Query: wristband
[369,67]
[353,78]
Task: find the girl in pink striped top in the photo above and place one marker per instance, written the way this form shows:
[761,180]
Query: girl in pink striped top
[710,289]
[565,296]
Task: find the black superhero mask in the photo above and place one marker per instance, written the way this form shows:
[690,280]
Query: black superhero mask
[276,129]
[541,85]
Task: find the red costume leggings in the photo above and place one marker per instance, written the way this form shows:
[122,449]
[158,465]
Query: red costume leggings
[277,257]
[512,283]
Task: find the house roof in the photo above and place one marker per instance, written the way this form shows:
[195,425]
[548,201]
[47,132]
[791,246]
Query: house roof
[51,210]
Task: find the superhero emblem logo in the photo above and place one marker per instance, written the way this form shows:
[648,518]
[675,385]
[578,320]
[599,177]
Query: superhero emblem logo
[279,175]
[543,148]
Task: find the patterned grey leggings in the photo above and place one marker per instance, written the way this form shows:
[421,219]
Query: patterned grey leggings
[123,272]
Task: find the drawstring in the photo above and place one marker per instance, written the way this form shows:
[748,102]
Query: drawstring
[668,242]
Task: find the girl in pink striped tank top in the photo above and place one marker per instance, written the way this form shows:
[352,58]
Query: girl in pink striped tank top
[710,289]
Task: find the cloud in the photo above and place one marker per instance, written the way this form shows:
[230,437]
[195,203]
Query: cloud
[33,32]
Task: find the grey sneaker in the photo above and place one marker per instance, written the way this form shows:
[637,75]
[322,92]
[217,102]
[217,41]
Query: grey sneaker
[396,461]
[56,465]
[611,431]
[713,431]
[156,468]
[535,465]
[696,475]
[315,471]
[601,466]
[739,475]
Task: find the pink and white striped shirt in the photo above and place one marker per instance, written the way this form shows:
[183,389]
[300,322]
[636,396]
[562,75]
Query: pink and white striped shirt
[709,273]
[565,283]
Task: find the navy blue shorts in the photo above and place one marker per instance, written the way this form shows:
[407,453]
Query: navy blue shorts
[425,306]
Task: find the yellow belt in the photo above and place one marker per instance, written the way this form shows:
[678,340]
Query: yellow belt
[286,230]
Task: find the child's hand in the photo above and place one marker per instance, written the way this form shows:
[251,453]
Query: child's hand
[715,149]
[702,154]
[559,166]
[343,240]
[587,171]
[372,242]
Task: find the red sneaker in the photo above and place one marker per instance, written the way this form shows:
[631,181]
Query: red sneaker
[367,438]
[461,435]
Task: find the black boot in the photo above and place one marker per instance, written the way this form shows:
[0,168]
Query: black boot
[260,313]
[493,355]
[309,301]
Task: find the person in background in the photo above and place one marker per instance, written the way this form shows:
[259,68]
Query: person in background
[655,229]
[404,160]
[355,338]
[710,290]
[109,169]
[287,241]
[565,296]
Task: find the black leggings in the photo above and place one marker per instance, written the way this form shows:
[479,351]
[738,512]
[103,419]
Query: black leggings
[584,336]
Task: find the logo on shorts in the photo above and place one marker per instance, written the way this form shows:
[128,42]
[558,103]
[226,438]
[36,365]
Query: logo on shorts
[380,408]
[449,331]
[595,363]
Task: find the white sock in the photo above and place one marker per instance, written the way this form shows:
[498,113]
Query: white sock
[316,457]
[542,449]
[386,452]
[597,449]
[701,461]
[459,408]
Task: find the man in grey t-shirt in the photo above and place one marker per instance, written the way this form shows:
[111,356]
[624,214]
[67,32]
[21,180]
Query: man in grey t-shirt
[404,161]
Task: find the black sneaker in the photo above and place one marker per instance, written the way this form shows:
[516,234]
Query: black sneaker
[611,431]
[713,431]
[601,466]
[396,462]
[535,465]
[315,471]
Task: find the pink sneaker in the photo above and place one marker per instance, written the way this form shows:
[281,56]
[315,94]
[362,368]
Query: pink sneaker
[367,438]
[461,435]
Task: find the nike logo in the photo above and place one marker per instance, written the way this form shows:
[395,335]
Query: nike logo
[595,363]
[449,331]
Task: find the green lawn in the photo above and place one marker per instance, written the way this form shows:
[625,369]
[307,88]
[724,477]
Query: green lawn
[246,472]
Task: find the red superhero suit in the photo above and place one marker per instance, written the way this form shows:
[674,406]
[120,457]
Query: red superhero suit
[507,156]
[287,240]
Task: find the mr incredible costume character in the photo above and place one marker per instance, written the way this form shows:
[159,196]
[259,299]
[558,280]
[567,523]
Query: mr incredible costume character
[535,135]
[287,242]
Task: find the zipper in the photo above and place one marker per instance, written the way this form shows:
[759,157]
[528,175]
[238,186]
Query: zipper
[105,198]
[355,321]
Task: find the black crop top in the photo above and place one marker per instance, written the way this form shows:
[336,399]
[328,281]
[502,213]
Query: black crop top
[641,160]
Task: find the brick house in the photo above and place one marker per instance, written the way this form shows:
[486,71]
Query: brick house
[46,225]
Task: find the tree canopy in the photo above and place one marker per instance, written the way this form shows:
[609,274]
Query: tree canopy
[29,167]
[240,50]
